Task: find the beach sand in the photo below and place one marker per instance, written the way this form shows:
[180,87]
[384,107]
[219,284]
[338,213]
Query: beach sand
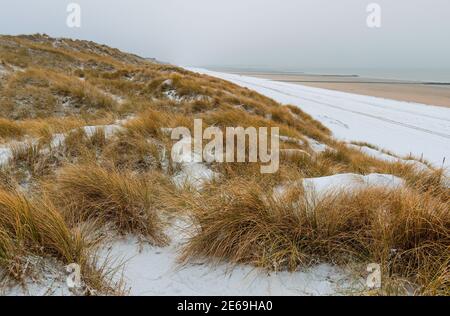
[410,91]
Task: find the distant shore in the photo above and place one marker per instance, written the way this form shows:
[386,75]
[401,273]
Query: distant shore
[431,93]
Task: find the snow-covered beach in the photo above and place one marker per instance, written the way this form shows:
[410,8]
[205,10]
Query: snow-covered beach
[401,127]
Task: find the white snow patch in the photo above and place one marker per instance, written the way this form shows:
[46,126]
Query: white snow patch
[57,140]
[167,83]
[154,271]
[3,71]
[293,152]
[316,146]
[374,153]
[6,152]
[351,182]
[49,279]
[317,188]
[389,158]
[110,130]
[292,140]
[192,173]
[48,286]
[5,155]
[173,96]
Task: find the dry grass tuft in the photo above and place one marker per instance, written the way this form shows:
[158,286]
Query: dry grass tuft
[151,123]
[31,157]
[134,152]
[10,129]
[406,231]
[129,203]
[35,227]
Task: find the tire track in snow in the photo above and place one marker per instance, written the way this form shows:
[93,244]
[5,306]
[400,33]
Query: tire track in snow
[379,106]
[406,125]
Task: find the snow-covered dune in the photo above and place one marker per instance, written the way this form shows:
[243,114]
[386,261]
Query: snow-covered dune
[401,127]
[155,271]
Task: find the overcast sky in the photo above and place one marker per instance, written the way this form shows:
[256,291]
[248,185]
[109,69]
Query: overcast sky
[270,33]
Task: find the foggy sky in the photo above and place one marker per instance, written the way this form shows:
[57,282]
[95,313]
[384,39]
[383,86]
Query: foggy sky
[269,33]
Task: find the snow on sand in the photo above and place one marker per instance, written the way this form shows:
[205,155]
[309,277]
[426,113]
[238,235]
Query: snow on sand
[155,271]
[397,126]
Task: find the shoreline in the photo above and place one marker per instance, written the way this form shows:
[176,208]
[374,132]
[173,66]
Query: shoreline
[429,93]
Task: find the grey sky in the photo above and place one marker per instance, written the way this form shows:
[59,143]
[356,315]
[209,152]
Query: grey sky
[270,33]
